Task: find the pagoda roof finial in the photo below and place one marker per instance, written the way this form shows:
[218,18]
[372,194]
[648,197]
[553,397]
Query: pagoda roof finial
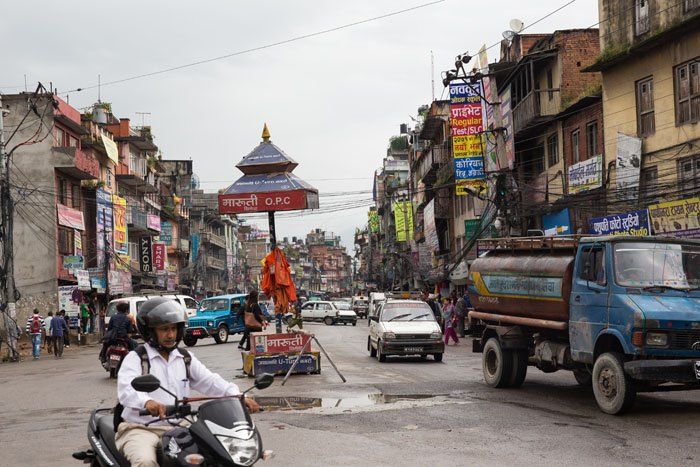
[266,133]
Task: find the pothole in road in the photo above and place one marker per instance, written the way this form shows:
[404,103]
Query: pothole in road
[289,403]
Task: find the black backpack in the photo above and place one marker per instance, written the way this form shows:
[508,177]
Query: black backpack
[146,369]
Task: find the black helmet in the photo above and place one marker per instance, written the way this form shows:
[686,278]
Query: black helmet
[156,312]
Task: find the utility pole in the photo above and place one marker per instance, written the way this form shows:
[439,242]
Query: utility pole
[106,254]
[7,294]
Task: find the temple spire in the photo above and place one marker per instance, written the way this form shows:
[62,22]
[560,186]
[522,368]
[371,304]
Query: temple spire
[266,134]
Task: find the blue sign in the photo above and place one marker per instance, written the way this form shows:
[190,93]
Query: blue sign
[469,168]
[166,232]
[557,223]
[631,223]
[280,364]
[464,93]
[194,246]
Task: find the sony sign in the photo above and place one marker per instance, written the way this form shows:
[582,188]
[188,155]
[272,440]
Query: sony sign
[145,254]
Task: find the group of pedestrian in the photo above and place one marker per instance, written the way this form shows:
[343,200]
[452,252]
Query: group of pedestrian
[253,319]
[53,330]
[450,313]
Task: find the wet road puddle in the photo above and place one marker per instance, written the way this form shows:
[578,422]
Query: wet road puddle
[283,404]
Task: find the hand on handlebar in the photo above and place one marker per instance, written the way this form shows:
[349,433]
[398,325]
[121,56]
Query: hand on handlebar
[252,405]
[155,409]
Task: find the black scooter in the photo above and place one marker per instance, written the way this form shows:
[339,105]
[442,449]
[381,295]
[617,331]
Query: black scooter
[221,431]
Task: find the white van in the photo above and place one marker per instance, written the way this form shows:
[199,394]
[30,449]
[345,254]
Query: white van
[375,298]
[135,302]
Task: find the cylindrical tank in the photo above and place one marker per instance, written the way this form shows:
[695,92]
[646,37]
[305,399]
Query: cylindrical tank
[532,284]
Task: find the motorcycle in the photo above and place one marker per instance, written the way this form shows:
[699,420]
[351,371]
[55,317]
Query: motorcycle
[114,356]
[221,431]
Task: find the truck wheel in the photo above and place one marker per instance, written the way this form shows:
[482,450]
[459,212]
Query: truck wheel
[354,323]
[328,321]
[497,364]
[221,335]
[372,350]
[614,391]
[190,341]
[583,378]
[519,371]
[380,355]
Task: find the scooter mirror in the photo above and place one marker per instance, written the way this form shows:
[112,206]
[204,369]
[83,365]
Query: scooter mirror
[145,383]
[264,380]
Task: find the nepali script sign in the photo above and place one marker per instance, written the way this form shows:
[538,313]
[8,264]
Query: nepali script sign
[279,343]
[676,218]
[630,223]
[467,128]
[262,202]
[586,175]
[522,286]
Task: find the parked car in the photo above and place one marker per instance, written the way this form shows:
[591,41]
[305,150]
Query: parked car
[345,313]
[320,311]
[405,327]
[135,302]
[374,299]
[216,317]
[359,305]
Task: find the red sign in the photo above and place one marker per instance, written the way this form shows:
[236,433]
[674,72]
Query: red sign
[262,202]
[159,256]
[70,217]
[279,343]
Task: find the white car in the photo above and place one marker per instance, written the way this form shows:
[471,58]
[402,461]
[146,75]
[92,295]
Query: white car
[345,313]
[320,311]
[135,302]
[405,327]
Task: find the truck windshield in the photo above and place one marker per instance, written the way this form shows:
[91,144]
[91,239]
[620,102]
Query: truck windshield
[214,305]
[668,265]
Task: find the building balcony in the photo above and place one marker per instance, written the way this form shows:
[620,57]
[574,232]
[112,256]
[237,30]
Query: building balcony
[215,263]
[136,177]
[428,165]
[137,221]
[76,163]
[214,239]
[179,246]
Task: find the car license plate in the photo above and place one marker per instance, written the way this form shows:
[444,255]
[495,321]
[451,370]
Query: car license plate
[114,357]
[414,349]
[197,332]
[697,369]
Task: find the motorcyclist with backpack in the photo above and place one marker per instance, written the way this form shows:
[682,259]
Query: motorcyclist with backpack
[119,328]
[35,327]
[161,323]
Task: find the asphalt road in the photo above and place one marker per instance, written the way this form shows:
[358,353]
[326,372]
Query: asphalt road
[403,412]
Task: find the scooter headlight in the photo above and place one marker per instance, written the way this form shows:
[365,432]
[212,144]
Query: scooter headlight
[242,451]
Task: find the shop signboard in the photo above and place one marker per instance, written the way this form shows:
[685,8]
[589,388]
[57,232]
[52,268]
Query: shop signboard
[557,223]
[676,218]
[279,343]
[586,175]
[627,165]
[69,217]
[104,223]
[69,299]
[166,232]
[403,219]
[121,244]
[467,131]
[629,223]
[153,222]
[145,254]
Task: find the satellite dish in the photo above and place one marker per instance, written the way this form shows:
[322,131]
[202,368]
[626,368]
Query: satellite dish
[516,25]
[508,35]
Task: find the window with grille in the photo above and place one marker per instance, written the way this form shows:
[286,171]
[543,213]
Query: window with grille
[641,16]
[688,92]
[689,175]
[645,107]
[63,187]
[592,138]
[649,179]
[65,241]
[75,196]
[552,150]
[575,146]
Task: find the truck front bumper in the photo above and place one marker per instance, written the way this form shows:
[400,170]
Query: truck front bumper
[677,371]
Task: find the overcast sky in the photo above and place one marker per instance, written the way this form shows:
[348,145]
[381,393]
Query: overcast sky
[331,101]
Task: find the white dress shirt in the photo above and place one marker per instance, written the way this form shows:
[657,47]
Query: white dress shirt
[172,376]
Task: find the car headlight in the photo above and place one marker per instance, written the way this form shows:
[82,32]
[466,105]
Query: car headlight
[210,324]
[436,335]
[388,335]
[657,339]
[242,451]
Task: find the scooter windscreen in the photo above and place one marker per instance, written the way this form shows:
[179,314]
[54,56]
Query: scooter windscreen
[230,423]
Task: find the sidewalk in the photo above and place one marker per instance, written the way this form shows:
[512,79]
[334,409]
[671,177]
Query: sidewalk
[25,346]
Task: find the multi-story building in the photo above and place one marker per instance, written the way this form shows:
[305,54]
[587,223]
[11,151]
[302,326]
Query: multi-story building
[331,259]
[650,65]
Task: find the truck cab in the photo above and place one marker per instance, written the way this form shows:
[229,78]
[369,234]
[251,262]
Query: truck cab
[621,312]
[216,317]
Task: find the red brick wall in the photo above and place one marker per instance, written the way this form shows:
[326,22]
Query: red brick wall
[578,49]
[579,120]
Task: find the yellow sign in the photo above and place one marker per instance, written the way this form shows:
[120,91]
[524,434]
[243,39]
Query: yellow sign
[471,187]
[121,245]
[111,148]
[677,218]
[403,217]
[466,146]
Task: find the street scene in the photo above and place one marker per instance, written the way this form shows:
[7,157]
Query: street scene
[374,233]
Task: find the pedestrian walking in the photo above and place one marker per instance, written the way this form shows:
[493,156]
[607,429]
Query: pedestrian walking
[461,310]
[254,320]
[84,316]
[48,337]
[35,328]
[66,335]
[92,311]
[59,329]
[450,318]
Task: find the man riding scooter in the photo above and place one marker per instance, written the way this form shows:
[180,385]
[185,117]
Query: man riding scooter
[119,328]
[161,322]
